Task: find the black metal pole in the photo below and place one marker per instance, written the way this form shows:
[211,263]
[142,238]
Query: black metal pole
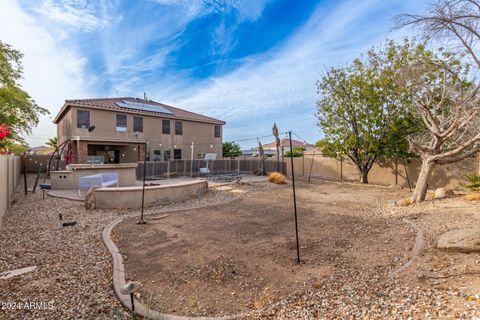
[143,188]
[25,172]
[311,165]
[294,197]
[133,303]
[406,174]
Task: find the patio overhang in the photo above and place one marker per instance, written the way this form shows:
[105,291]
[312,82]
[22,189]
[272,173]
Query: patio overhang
[108,140]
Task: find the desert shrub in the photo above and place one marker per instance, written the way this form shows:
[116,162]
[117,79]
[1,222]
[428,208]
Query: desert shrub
[278,178]
[405,202]
[474,196]
[474,181]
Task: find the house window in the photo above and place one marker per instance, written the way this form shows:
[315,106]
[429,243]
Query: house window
[83,119]
[157,155]
[166,155]
[166,126]
[217,131]
[121,122]
[178,128]
[200,155]
[177,154]
[137,124]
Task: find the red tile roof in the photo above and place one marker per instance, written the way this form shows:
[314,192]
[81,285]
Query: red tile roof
[111,104]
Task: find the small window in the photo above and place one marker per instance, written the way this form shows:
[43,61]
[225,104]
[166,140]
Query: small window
[177,154]
[178,128]
[166,126]
[166,155]
[121,122]
[217,131]
[83,119]
[200,155]
[157,155]
[137,124]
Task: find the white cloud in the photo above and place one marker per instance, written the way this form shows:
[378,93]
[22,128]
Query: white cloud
[280,85]
[52,73]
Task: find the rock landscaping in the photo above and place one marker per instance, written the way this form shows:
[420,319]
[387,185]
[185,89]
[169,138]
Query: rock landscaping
[358,256]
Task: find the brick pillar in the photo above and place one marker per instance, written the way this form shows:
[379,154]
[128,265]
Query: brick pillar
[82,152]
[141,153]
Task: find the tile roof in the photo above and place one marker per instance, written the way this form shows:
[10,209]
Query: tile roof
[286,144]
[111,104]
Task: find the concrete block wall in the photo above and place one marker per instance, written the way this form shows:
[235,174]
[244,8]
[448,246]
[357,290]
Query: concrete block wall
[384,172]
[9,178]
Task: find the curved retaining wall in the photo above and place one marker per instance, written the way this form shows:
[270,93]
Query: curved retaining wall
[131,197]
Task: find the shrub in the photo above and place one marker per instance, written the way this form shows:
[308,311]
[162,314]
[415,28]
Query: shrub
[474,196]
[278,178]
[405,202]
[474,180]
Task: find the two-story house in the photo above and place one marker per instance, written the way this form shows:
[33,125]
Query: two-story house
[123,126]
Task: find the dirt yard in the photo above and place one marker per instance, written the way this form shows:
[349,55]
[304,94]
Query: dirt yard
[240,257]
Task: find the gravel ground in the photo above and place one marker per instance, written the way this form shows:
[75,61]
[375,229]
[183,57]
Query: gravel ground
[438,284]
[74,275]
[74,268]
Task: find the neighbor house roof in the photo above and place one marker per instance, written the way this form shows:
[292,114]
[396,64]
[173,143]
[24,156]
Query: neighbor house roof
[286,144]
[42,149]
[151,108]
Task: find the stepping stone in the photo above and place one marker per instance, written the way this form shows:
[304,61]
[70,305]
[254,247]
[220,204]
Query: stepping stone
[463,240]
[13,273]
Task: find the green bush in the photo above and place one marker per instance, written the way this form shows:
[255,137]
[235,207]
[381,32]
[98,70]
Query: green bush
[474,180]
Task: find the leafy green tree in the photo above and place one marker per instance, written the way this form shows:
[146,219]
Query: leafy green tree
[17,109]
[52,142]
[231,150]
[296,152]
[362,110]
[17,148]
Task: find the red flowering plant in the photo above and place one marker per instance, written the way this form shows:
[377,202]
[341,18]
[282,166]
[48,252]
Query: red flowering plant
[4,134]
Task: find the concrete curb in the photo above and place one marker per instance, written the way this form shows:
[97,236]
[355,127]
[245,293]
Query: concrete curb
[119,271]
[416,250]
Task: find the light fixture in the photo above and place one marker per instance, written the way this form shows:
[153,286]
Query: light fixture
[130,288]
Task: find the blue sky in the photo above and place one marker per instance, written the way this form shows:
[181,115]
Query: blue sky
[250,62]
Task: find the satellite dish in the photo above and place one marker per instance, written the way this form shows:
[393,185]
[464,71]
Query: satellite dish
[91,128]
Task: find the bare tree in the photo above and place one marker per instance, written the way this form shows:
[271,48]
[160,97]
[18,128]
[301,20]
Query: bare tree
[448,103]
[454,21]
[442,93]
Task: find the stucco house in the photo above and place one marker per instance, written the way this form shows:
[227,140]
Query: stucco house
[124,125]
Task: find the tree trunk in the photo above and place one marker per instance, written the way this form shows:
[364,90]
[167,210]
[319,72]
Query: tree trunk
[420,192]
[363,175]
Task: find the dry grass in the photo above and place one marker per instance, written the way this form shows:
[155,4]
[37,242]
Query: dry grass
[430,195]
[405,202]
[278,178]
[474,196]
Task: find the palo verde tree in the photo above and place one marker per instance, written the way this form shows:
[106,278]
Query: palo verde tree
[361,110]
[444,95]
[17,109]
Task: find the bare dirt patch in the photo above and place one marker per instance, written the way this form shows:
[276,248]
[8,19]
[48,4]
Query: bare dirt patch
[240,256]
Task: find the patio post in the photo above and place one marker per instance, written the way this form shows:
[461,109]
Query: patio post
[141,221]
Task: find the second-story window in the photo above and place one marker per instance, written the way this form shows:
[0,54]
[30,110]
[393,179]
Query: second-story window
[217,131]
[166,126]
[83,119]
[121,122]
[178,128]
[137,124]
